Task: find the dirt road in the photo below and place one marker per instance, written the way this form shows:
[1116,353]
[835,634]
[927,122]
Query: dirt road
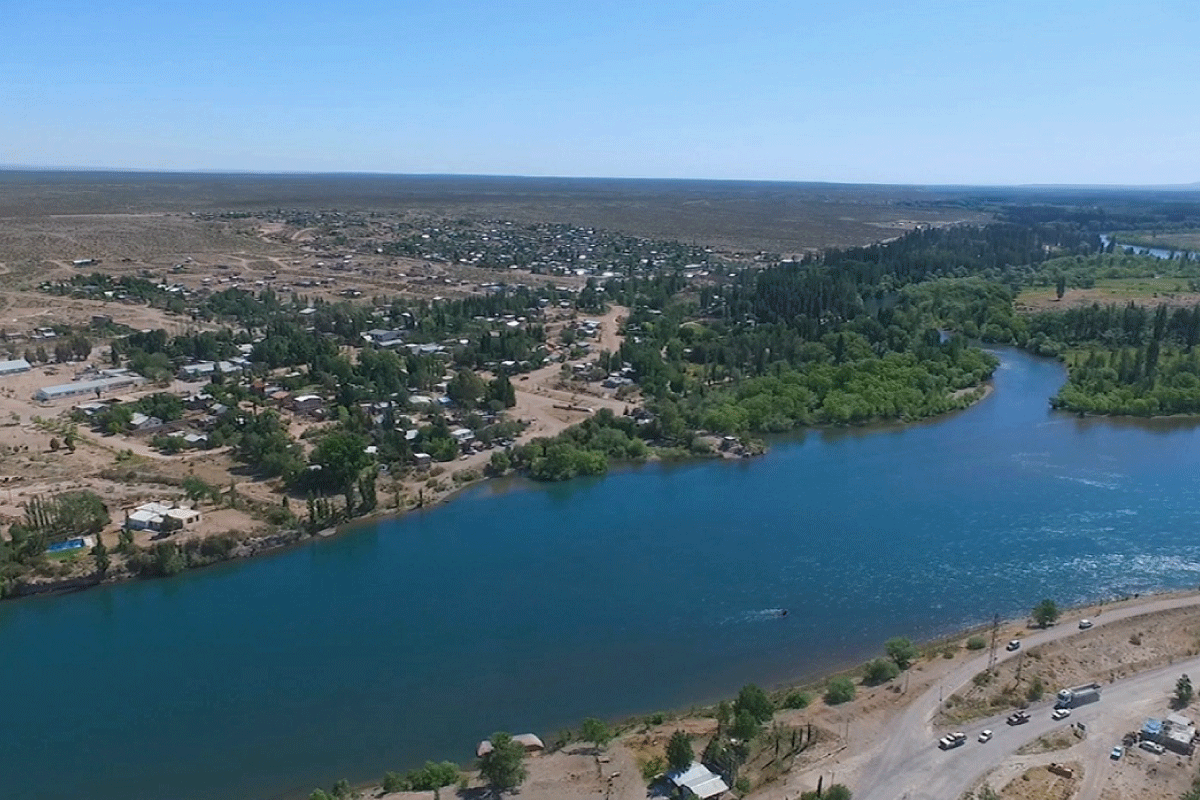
[909,764]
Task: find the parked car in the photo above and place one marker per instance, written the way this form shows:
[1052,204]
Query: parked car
[1015,644]
[1116,753]
[1018,718]
[1060,713]
[1084,624]
[1152,747]
[986,736]
[952,740]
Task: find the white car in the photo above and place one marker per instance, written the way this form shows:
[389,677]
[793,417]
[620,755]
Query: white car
[1015,644]
[1060,713]
[986,736]
[1084,624]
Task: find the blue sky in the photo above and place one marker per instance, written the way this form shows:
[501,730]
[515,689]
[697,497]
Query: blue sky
[959,91]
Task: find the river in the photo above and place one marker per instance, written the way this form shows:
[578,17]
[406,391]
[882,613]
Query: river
[526,608]
[1158,252]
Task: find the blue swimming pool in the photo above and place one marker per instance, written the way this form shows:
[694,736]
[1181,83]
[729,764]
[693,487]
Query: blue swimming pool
[69,544]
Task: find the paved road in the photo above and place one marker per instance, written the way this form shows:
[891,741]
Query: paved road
[911,767]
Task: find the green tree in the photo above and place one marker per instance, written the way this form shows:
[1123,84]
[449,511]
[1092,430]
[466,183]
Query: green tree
[1183,691]
[1045,613]
[840,690]
[466,388]
[754,700]
[197,489]
[902,651]
[724,714]
[679,751]
[596,732]
[100,553]
[504,766]
[881,670]
[341,456]
[499,463]
[745,726]
[1060,287]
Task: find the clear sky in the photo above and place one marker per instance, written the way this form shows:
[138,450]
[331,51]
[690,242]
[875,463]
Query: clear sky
[919,91]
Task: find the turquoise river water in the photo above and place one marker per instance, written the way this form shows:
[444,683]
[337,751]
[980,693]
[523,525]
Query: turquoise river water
[527,608]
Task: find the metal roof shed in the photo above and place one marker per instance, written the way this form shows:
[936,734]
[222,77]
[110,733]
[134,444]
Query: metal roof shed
[700,781]
[14,366]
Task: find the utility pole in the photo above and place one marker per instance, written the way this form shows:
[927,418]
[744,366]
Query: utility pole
[995,633]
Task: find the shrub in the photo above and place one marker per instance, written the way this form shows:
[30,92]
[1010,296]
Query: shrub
[653,768]
[840,690]
[879,671]
[976,643]
[797,700]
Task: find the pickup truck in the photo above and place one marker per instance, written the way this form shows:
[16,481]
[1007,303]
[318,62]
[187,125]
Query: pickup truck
[1018,718]
[952,740]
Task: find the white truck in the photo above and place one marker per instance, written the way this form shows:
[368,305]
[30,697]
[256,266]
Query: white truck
[1078,696]
[951,740]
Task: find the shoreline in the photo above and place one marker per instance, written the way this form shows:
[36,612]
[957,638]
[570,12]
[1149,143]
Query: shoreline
[283,539]
[930,662]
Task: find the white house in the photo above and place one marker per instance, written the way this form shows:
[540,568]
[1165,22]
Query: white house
[154,516]
[699,781]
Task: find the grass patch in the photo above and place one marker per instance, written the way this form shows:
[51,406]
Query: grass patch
[1116,290]
[1051,742]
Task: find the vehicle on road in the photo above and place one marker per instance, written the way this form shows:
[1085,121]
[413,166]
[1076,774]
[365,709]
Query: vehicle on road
[1084,624]
[1060,713]
[1078,696]
[1152,747]
[951,740]
[986,736]
[1116,753]
[1018,718]
[1015,644]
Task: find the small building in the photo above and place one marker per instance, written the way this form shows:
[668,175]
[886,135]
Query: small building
[1178,734]
[206,369]
[14,366]
[423,460]
[308,404]
[142,422]
[384,338]
[97,387]
[699,781]
[155,516]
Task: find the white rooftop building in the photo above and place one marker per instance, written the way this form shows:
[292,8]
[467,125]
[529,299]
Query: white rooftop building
[14,366]
[699,781]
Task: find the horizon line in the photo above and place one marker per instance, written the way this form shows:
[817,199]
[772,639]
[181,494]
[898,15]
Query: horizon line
[1195,185]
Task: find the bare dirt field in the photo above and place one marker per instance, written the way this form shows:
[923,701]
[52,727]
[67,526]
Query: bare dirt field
[742,215]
